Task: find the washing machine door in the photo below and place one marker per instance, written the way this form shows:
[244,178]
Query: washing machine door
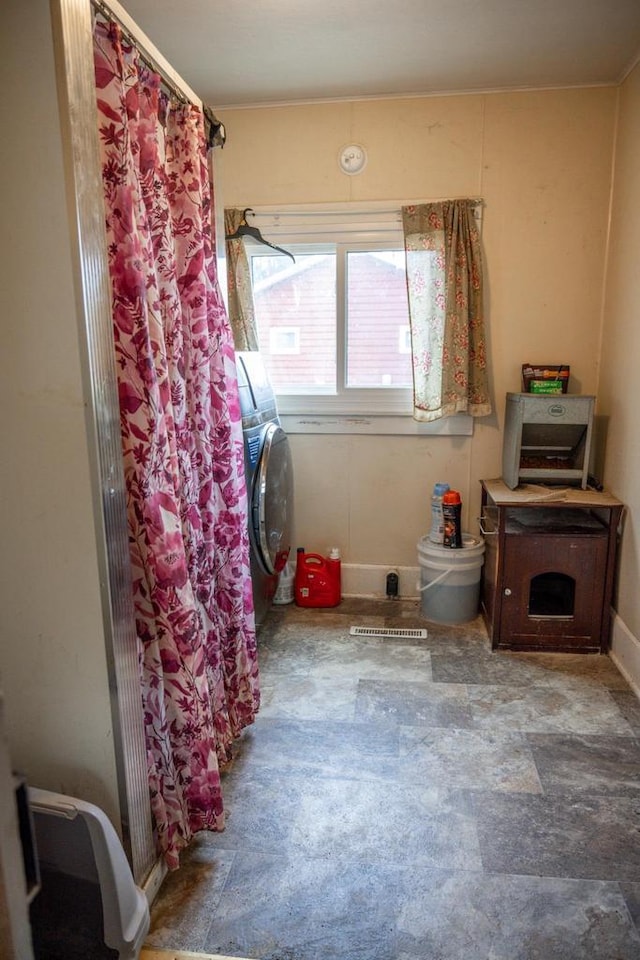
[272,507]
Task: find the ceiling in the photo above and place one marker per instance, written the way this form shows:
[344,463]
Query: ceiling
[242,52]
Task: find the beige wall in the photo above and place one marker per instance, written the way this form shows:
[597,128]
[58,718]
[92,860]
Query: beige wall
[618,388]
[52,651]
[542,163]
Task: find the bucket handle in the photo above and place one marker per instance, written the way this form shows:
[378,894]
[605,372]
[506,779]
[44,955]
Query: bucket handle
[432,583]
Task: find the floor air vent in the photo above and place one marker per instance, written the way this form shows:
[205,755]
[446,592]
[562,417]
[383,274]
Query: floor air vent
[404,632]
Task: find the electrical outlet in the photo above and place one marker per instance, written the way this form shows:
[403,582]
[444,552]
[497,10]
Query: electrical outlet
[392,583]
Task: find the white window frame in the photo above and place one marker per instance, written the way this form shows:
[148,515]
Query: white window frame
[346,401]
[353,226]
[404,339]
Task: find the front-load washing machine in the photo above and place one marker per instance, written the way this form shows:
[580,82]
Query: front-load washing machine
[269,477]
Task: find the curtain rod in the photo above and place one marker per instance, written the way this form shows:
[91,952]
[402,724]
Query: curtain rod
[350,209]
[113,12]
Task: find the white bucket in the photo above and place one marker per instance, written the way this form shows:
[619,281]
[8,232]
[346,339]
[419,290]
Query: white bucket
[285,592]
[450,579]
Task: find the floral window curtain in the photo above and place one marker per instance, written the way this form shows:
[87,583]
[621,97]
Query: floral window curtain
[241,310]
[181,440]
[444,281]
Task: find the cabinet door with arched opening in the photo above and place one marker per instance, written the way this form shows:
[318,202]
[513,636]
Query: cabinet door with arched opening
[553,584]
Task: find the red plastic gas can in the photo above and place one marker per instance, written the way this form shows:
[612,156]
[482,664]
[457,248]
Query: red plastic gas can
[317,580]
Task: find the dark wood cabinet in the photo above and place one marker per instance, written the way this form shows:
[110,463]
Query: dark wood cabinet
[547,579]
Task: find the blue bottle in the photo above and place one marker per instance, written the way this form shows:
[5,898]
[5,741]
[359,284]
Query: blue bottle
[436,534]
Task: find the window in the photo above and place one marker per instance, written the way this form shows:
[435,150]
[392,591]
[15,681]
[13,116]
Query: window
[300,296]
[376,309]
[333,326]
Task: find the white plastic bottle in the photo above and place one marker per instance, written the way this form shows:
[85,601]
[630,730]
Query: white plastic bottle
[436,534]
[285,589]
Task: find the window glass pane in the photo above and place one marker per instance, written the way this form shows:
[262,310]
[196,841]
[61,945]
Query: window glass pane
[284,340]
[377,320]
[298,297]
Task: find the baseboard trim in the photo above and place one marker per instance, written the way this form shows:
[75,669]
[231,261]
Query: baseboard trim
[625,653]
[150,953]
[370,580]
[154,880]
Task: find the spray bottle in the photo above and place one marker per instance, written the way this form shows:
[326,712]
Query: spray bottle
[452,518]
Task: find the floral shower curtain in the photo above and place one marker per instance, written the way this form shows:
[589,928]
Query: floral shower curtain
[182,443]
[444,281]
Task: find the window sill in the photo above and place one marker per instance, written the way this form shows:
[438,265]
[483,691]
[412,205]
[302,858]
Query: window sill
[461,425]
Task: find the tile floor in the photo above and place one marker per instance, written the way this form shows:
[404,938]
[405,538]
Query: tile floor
[413,800]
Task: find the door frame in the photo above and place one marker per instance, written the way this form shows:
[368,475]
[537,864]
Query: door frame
[73,48]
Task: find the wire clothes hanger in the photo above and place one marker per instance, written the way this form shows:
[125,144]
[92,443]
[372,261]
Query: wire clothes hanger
[245,229]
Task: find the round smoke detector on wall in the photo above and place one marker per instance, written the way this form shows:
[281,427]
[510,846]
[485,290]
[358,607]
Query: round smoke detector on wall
[352,159]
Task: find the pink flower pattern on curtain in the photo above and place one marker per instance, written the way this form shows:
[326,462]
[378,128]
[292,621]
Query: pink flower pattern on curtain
[182,443]
[444,282]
